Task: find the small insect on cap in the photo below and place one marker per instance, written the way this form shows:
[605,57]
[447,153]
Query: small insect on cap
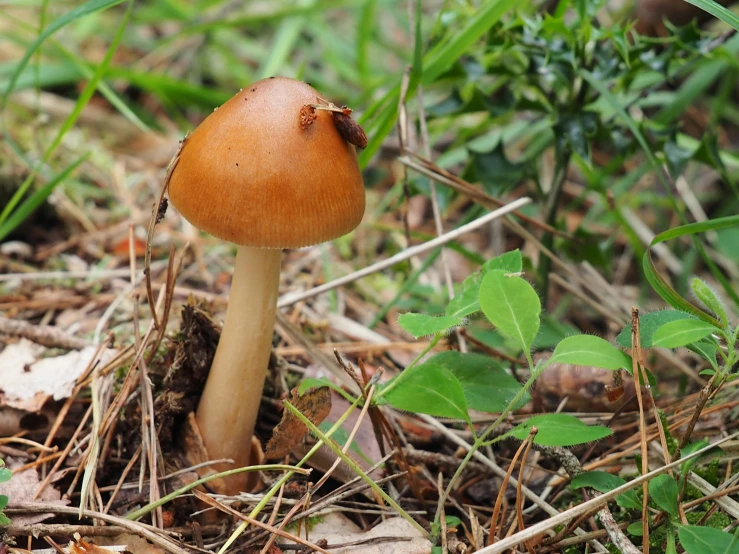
[267,172]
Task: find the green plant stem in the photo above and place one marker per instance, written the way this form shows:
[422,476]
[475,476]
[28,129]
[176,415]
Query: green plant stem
[399,378]
[354,467]
[282,480]
[409,282]
[133,516]
[550,218]
[480,441]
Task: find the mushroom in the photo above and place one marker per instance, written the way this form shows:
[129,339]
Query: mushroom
[268,170]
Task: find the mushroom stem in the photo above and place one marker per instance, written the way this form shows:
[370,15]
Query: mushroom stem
[228,407]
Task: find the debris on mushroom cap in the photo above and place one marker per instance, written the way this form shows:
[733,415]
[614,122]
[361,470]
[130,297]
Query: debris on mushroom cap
[256,173]
[350,130]
[307,116]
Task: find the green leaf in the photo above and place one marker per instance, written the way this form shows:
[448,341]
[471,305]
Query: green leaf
[495,171]
[380,118]
[421,325]
[589,350]
[648,324]
[430,389]
[487,386]
[4,520]
[706,350]
[5,474]
[3,501]
[512,305]
[598,480]
[710,300]
[688,465]
[635,529]
[606,482]
[465,302]
[80,11]
[10,221]
[682,332]
[717,10]
[574,130]
[696,539]
[662,287]
[664,492]
[315,382]
[560,430]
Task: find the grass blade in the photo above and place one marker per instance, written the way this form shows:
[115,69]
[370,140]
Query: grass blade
[88,7]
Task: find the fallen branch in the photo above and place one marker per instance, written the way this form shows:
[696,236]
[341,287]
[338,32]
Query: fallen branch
[45,335]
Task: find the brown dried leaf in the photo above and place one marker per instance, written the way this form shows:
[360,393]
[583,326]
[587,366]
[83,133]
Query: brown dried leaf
[315,405]
[81,546]
[350,130]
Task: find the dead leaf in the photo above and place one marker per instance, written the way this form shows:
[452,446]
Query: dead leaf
[22,487]
[81,546]
[394,535]
[315,405]
[134,544]
[27,382]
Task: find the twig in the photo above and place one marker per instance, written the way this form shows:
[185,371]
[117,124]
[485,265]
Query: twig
[292,298]
[255,522]
[45,335]
[138,528]
[563,517]
[640,378]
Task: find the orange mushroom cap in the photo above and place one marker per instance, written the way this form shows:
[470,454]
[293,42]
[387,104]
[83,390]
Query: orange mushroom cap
[257,173]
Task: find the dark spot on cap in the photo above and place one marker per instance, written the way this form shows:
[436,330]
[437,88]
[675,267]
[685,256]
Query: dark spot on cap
[272,77]
[237,164]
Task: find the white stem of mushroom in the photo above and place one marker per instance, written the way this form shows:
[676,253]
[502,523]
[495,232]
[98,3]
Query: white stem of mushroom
[228,407]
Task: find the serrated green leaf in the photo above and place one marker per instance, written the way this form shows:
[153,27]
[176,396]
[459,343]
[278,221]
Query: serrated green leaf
[430,389]
[560,430]
[589,350]
[664,492]
[681,333]
[421,325]
[487,386]
[512,305]
[697,539]
[648,324]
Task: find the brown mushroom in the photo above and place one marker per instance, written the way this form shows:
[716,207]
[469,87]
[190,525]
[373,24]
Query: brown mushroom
[266,173]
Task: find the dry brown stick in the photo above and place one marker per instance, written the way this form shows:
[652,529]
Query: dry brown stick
[64,453]
[519,493]
[640,378]
[430,169]
[62,530]
[122,479]
[255,522]
[157,213]
[140,529]
[616,534]
[45,335]
[501,495]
